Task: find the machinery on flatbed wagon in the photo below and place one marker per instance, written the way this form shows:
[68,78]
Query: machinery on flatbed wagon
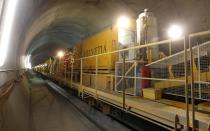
[127,58]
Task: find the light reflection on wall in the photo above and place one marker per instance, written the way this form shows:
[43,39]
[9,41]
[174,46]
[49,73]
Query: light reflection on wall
[7,25]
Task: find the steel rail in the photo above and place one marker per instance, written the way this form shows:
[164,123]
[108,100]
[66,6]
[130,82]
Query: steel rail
[149,44]
[199,33]
[133,77]
[186,86]
[134,47]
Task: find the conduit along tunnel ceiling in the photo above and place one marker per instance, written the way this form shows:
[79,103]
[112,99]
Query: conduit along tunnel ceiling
[58,24]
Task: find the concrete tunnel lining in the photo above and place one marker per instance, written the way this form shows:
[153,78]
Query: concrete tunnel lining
[80,19]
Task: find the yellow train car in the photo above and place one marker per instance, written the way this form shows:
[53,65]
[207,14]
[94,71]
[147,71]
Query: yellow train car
[102,42]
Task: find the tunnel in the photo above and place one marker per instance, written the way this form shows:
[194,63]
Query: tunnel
[84,65]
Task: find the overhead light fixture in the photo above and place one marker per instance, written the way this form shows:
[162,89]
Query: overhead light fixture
[7,28]
[123,22]
[175,32]
[60,54]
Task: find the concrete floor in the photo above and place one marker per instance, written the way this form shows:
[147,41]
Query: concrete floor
[32,107]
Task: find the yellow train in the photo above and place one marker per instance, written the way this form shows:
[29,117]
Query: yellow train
[94,68]
[100,62]
[102,42]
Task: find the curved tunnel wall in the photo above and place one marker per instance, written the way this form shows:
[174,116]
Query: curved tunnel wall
[12,61]
[42,26]
[71,21]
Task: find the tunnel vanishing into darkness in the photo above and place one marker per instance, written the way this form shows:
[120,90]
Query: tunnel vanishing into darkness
[42,27]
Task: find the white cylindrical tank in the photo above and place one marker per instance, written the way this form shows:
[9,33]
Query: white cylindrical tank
[146,31]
